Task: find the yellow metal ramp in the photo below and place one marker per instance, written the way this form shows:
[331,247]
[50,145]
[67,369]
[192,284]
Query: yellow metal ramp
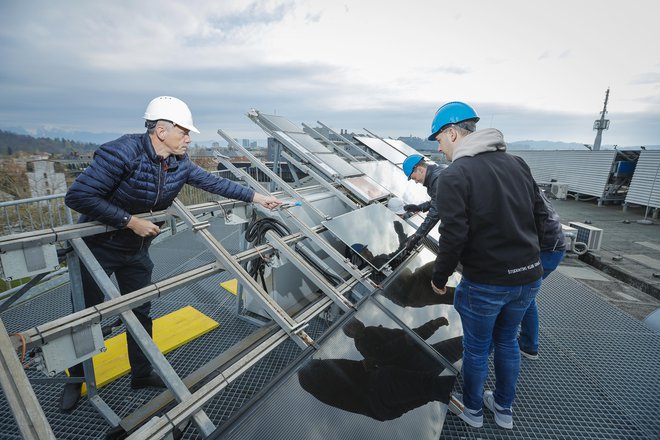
[169,332]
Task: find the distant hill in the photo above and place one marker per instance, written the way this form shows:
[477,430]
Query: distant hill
[419,144]
[11,143]
[546,145]
[424,145]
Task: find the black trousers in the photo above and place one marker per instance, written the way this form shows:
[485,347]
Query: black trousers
[133,271]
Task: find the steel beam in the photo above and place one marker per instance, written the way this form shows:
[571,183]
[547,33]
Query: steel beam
[29,415]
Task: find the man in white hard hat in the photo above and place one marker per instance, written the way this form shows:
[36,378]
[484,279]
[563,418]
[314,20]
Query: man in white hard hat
[134,174]
[395,205]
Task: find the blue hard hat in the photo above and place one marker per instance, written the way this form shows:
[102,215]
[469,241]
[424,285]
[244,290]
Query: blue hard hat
[410,163]
[451,113]
[358,247]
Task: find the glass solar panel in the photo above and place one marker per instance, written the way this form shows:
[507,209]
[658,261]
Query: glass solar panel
[374,233]
[280,123]
[309,143]
[343,168]
[391,177]
[386,150]
[365,189]
[408,294]
[401,146]
[368,380]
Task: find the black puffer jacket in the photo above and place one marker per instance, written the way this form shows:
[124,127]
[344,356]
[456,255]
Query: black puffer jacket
[127,177]
[488,212]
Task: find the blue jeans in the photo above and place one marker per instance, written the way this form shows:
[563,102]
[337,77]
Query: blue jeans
[491,315]
[529,327]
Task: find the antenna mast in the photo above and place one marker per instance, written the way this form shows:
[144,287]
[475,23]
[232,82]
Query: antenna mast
[602,123]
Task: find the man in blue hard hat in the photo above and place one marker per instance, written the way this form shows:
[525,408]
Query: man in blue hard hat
[416,168]
[489,221]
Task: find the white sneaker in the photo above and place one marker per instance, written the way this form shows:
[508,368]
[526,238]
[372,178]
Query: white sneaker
[503,416]
[474,418]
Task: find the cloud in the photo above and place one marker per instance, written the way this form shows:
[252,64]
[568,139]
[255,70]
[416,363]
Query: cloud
[647,78]
[94,65]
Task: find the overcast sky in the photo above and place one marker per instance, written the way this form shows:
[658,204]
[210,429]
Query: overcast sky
[535,70]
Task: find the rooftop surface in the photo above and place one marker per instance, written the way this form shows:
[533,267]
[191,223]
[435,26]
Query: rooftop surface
[597,377]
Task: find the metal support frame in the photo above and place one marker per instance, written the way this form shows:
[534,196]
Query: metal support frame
[293,328]
[276,165]
[348,141]
[308,232]
[30,418]
[332,252]
[68,232]
[272,176]
[78,300]
[144,341]
[334,146]
[327,185]
[311,273]
[24,288]
[118,304]
[279,138]
[264,343]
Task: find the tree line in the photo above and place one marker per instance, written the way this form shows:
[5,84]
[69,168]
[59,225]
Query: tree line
[11,143]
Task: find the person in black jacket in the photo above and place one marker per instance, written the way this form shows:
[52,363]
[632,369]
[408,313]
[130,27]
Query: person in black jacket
[486,200]
[553,249]
[417,169]
[135,174]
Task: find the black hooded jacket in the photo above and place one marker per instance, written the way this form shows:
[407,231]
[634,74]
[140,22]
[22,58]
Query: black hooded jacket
[489,212]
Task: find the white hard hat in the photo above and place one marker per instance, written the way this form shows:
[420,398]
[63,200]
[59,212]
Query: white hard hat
[170,109]
[395,205]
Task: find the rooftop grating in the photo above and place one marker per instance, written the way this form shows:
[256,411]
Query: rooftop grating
[598,375]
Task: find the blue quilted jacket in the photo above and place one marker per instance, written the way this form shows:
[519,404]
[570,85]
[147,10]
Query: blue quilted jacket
[127,177]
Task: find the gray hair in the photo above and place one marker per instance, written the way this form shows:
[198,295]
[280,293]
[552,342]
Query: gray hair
[464,128]
[151,125]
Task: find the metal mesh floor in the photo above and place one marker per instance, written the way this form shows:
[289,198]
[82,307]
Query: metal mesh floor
[598,375]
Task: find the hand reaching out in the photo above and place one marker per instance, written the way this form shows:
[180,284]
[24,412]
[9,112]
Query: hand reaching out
[268,202]
[411,208]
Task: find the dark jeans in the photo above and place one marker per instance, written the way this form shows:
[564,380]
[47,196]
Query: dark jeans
[133,271]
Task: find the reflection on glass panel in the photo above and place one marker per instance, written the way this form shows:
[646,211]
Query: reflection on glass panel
[401,146]
[368,380]
[343,168]
[280,123]
[365,189]
[408,294]
[311,144]
[382,148]
[374,232]
[291,143]
[391,177]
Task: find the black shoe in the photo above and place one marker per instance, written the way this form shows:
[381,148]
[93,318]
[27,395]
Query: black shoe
[151,380]
[70,396]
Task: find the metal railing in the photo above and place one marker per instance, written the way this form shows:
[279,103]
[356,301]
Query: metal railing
[45,212]
[34,214]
